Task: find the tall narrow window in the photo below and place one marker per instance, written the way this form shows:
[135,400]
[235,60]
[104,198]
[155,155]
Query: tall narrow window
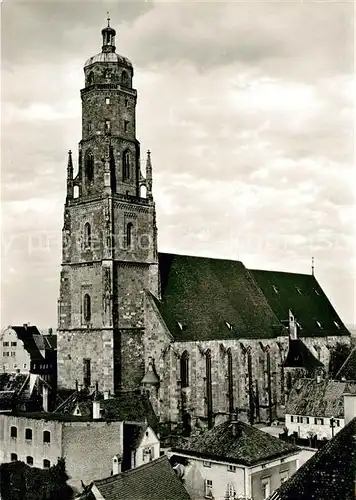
[230,381]
[126,125]
[46,464]
[90,78]
[107,125]
[46,436]
[28,434]
[89,166]
[29,460]
[13,432]
[126,165]
[124,79]
[129,229]
[86,373]
[184,369]
[13,457]
[209,393]
[87,307]
[87,236]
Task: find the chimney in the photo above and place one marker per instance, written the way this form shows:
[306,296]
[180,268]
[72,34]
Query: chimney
[76,385]
[25,325]
[235,430]
[45,398]
[50,331]
[349,407]
[116,465]
[96,410]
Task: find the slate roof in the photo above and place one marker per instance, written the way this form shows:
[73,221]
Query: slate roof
[302,294]
[348,369]
[249,447]
[204,294]
[155,480]
[320,399]
[329,474]
[299,356]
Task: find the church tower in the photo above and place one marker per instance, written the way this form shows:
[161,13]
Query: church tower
[109,257]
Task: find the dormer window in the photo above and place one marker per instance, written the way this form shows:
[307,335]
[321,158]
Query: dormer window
[337,324]
[229,325]
[299,290]
[316,292]
[275,288]
[182,326]
[319,324]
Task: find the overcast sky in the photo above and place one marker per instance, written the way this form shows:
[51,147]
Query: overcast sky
[247,108]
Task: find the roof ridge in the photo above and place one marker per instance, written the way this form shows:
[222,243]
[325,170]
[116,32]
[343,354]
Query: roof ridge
[346,361]
[201,257]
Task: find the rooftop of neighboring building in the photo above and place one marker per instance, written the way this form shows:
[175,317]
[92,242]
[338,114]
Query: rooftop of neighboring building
[319,398]
[34,341]
[128,406]
[238,443]
[155,480]
[302,294]
[300,356]
[329,474]
[348,369]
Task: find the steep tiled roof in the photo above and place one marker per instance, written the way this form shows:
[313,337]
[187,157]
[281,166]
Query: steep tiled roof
[206,299]
[302,294]
[329,474]
[320,399]
[155,480]
[299,356]
[247,447]
[348,369]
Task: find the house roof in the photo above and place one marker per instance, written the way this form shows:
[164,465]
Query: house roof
[320,399]
[330,473]
[348,369]
[129,406]
[155,480]
[206,299]
[299,356]
[302,294]
[248,447]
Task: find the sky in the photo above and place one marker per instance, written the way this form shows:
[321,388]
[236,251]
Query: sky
[247,108]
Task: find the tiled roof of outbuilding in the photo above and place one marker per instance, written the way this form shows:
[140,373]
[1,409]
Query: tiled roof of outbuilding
[207,299]
[348,369]
[302,294]
[155,480]
[320,399]
[248,447]
[329,474]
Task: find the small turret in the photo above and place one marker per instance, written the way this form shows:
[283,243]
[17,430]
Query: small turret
[108,38]
[70,176]
[149,175]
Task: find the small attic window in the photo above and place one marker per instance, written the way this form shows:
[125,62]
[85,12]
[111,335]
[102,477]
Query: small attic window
[337,324]
[229,325]
[319,324]
[316,291]
[299,290]
[182,326]
[275,288]
[299,326]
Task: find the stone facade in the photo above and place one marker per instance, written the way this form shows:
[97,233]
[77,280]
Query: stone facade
[109,235]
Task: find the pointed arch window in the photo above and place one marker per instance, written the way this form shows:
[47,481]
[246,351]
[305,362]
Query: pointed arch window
[230,381]
[129,234]
[184,370]
[87,236]
[87,308]
[209,392]
[89,166]
[91,78]
[126,165]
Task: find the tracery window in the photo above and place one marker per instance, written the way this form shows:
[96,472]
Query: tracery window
[184,369]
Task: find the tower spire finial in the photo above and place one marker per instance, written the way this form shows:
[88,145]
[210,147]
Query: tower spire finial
[312,266]
[108,18]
